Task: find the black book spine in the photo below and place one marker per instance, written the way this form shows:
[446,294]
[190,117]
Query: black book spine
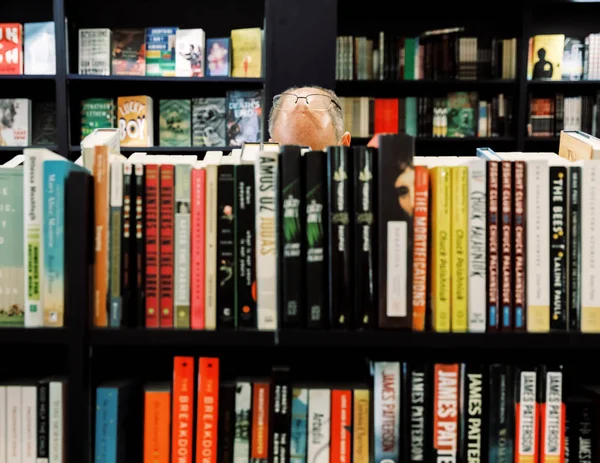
[501,416]
[506,248]
[43,421]
[574,253]
[316,239]
[126,245]
[364,235]
[291,232]
[281,402]
[245,225]
[226,422]
[225,248]
[339,181]
[558,248]
[420,406]
[493,223]
[139,266]
[473,432]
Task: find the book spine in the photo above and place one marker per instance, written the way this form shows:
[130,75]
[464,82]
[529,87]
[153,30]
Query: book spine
[459,245]
[526,416]
[183,188]
[553,419]
[157,426]
[225,248]
[34,248]
[361,448]
[291,231]
[13,424]
[574,251]
[101,224]
[281,403]
[207,414]
[520,241]
[57,425]
[140,246]
[127,263]
[445,412]
[386,431]
[245,275]
[198,249]
[339,180]
[210,257]
[152,216]
[341,424]
[558,248]
[501,400]
[419,436]
[166,230]
[243,410]
[590,259]
[492,245]
[440,248]
[316,240]
[299,426]
[226,423]
[506,246]
[477,283]
[420,241]
[538,244]
[259,452]
[182,410]
[3,424]
[115,244]
[319,429]
[43,421]
[473,433]
[265,173]
[28,424]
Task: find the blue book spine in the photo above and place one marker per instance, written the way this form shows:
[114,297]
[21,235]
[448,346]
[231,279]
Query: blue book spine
[298,443]
[107,410]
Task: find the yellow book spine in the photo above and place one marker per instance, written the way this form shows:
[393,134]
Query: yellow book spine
[440,250]
[459,247]
[360,444]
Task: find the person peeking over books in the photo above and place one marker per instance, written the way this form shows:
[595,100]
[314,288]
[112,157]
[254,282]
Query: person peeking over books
[308,116]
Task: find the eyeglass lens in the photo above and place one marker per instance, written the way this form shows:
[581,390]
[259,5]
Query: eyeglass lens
[315,101]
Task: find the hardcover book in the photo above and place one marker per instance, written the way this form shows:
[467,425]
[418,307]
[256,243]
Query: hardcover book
[94,52]
[11,49]
[40,48]
[15,122]
[174,123]
[208,122]
[217,57]
[135,120]
[160,51]
[129,52]
[244,114]
[189,61]
[246,47]
[44,123]
[97,113]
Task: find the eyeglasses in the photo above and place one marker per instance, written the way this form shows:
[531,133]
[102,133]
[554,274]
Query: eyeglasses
[314,101]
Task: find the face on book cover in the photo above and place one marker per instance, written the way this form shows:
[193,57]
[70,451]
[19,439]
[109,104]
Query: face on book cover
[301,126]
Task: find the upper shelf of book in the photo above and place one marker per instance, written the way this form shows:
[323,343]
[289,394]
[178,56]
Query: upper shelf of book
[140,79]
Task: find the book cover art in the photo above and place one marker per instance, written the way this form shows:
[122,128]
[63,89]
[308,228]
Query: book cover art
[243,424]
[15,122]
[11,49]
[174,123]
[160,51]
[12,252]
[135,120]
[208,122]
[246,46]
[572,68]
[189,60]
[97,113]
[44,123]
[462,114]
[129,52]
[244,114]
[299,430]
[40,48]
[217,57]
[94,52]
[547,56]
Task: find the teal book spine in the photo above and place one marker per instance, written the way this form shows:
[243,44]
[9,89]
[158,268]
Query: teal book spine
[298,441]
[106,425]
[386,433]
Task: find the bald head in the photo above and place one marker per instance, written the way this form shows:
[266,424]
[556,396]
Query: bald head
[302,126]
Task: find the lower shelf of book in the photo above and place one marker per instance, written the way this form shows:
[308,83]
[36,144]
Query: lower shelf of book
[21,335]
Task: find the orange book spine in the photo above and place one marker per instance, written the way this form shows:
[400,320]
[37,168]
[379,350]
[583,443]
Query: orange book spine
[207,414]
[157,422]
[101,210]
[445,412]
[420,230]
[341,420]
[259,452]
[197,275]
[183,409]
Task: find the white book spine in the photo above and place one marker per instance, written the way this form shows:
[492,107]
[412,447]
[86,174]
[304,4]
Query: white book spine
[590,247]
[477,246]
[527,424]
[3,417]
[386,408]
[211,248]
[538,245]
[552,443]
[34,248]
[319,425]
[13,424]
[243,410]
[265,172]
[29,424]
[56,422]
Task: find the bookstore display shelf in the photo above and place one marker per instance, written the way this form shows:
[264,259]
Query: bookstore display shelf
[216,79]
[563,82]
[480,140]
[167,149]
[175,337]
[344,86]
[27,77]
[14,149]
[33,336]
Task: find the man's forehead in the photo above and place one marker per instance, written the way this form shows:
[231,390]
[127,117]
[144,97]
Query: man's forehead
[303,91]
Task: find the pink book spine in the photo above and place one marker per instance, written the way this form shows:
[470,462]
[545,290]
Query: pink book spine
[198,248]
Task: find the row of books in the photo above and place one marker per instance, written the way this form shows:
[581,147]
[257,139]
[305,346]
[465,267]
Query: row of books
[404,412]
[215,121]
[433,55]
[170,52]
[27,48]
[549,115]
[458,115]
[26,123]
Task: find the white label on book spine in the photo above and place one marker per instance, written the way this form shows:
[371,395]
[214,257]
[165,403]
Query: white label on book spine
[552,443]
[477,246]
[527,422]
[590,245]
[396,269]
[319,425]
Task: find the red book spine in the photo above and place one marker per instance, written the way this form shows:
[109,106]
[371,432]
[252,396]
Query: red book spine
[11,48]
[207,418]
[183,410]
[519,230]
[152,247]
[167,226]
[198,248]
[445,412]
[506,288]
[492,248]
[421,226]
[341,423]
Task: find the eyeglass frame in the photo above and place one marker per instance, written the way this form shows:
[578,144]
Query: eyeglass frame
[306,98]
